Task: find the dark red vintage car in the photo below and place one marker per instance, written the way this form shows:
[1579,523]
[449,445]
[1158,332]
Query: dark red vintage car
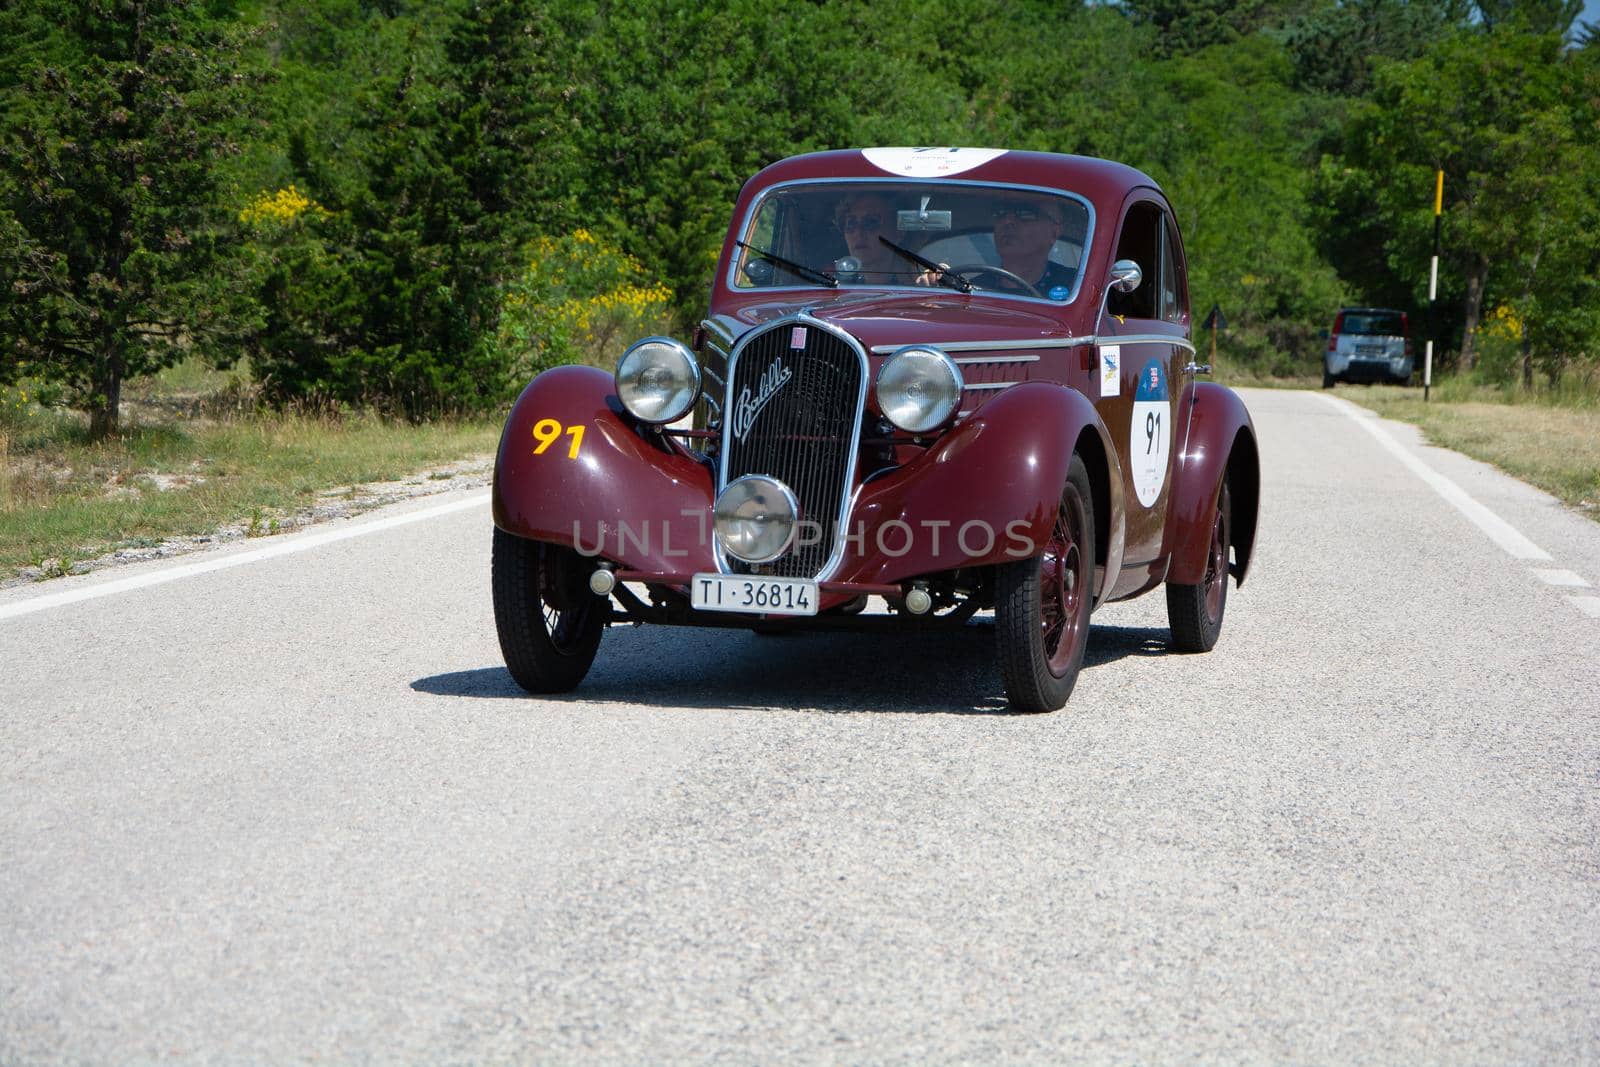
[932,382]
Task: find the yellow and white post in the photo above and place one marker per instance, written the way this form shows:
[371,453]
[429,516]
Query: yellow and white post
[1433,281]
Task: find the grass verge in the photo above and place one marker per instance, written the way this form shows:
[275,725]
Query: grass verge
[191,459]
[1554,446]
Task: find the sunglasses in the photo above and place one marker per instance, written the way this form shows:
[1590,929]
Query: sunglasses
[865,223]
[1021,214]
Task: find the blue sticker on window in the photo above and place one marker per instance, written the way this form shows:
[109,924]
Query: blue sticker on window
[1059,292]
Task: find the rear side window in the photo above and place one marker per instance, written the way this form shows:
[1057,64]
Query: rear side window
[1140,241]
[1174,305]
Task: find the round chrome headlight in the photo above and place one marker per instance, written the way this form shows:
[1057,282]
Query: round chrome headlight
[756,518]
[658,380]
[919,388]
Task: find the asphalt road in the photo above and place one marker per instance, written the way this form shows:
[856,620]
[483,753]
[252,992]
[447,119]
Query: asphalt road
[292,808]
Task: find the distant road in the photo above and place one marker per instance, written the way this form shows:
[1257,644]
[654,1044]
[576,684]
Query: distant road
[293,808]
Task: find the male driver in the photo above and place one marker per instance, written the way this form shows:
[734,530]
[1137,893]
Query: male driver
[1025,229]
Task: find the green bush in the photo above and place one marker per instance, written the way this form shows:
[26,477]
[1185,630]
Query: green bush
[578,300]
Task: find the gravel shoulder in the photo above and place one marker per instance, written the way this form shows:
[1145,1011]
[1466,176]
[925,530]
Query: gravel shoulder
[338,502]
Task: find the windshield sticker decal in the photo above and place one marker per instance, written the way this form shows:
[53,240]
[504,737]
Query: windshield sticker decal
[1110,370]
[1150,434]
[929,162]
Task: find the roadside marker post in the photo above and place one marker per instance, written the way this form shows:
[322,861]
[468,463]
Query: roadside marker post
[1433,282]
[1214,322]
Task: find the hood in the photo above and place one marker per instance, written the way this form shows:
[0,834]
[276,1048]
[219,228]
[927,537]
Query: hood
[881,320]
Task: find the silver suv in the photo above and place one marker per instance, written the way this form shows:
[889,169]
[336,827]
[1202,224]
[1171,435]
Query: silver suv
[1368,345]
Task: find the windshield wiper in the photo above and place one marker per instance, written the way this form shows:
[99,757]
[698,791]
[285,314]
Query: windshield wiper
[946,275]
[810,274]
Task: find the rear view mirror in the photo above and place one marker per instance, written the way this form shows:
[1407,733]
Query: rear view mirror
[922,219]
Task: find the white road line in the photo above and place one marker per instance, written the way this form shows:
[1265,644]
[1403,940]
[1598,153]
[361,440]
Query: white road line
[1500,532]
[299,542]
[1589,605]
[1567,578]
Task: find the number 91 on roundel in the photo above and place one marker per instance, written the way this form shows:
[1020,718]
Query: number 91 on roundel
[933,389]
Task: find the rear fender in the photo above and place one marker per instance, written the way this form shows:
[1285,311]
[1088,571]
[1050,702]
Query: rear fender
[1221,444]
[630,496]
[987,492]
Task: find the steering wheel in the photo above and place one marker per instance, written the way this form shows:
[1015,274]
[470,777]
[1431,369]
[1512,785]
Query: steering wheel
[980,269]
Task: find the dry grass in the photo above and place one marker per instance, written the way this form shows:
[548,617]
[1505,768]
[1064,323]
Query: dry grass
[194,455]
[1556,448]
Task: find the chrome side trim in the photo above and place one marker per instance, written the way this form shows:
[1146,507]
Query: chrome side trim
[847,494]
[992,385]
[996,359]
[992,346]
[1141,339]
[715,331]
[1063,342]
[709,373]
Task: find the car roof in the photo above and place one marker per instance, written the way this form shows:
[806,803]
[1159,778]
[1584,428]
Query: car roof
[1100,180]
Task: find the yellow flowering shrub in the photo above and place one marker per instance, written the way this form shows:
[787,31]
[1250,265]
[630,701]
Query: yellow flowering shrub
[279,208]
[18,405]
[1499,344]
[1503,322]
[578,300]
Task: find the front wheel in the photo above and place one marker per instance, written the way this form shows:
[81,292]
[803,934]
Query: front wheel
[549,622]
[1195,611]
[1041,611]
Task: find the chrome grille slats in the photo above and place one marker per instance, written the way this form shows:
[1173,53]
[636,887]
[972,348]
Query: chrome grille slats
[805,432]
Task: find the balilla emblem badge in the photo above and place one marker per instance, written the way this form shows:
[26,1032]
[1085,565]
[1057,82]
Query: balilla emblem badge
[748,407]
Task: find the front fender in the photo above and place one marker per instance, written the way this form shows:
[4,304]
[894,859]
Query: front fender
[1221,444]
[987,492]
[634,498]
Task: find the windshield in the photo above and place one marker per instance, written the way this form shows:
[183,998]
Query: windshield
[1002,239]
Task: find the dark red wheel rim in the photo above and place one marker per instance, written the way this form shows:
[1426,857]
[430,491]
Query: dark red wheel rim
[1064,583]
[565,627]
[1216,579]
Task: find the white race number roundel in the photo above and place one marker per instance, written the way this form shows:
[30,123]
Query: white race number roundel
[1150,437]
[929,162]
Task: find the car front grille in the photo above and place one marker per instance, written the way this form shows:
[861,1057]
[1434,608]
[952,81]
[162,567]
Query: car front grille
[793,412]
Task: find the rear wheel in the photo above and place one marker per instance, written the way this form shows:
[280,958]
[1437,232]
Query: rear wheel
[1327,377]
[1195,611]
[1041,611]
[549,622]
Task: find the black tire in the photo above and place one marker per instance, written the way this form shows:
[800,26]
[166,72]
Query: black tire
[549,622]
[1041,612]
[1327,377]
[1195,611]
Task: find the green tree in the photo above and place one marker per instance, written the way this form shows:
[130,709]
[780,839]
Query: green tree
[1334,45]
[392,297]
[1496,112]
[117,250]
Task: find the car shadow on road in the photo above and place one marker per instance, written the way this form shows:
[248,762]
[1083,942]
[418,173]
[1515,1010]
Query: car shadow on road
[941,672]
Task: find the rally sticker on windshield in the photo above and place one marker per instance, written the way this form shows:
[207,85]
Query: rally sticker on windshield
[1110,370]
[1151,434]
[929,162]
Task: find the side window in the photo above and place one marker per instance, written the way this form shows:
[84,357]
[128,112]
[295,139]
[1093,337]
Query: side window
[1174,298]
[1141,241]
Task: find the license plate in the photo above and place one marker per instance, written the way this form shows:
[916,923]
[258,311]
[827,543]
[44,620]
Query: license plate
[753,595]
[1370,350]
